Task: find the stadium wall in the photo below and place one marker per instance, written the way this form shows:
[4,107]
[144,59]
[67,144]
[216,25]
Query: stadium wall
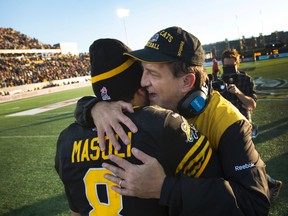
[14,51]
[32,90]
[65,48]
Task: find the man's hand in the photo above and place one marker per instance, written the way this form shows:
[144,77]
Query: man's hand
[143,181]
[248,102]
[232,88]
[107,118]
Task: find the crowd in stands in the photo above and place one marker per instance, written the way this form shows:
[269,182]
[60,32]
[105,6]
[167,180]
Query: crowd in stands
[11,39]
[22,69]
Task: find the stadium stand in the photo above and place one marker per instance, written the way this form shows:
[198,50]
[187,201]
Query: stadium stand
[11,39]
[25,60]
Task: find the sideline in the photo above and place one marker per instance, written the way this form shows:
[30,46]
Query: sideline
[32,93]
[45,108]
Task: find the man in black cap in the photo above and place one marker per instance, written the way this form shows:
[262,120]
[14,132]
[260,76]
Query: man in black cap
[165,135]
[174,77]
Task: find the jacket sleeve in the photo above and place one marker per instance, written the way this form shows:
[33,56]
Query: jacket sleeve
[82,112]
[191,196]
[244,169]
[253,89]
[249,88]
[242,191]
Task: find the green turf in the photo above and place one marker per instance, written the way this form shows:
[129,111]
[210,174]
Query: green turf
[30,185]
[276,68]
[272,143]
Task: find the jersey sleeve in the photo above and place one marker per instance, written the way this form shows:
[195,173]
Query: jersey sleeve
[70,198]
[60,161]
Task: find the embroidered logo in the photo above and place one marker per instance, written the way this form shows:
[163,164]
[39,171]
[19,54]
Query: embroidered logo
[175,115]
[245,166]
[104,94]
[189,130]
[154,38]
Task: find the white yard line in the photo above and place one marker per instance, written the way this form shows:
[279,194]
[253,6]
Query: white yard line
[45,108]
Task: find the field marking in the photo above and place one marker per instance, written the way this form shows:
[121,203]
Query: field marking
[273,99]
[45,108]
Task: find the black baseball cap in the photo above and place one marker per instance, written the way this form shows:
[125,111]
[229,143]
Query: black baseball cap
[113,75]
[169,45]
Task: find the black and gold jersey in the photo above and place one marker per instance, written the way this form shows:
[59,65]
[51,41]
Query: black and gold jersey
[163,134]
[243,189]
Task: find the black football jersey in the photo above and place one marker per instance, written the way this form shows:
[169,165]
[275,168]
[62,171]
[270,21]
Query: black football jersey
[162,134]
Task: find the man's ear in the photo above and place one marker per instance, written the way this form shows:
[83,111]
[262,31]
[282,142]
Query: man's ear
[140,98]
[188,81]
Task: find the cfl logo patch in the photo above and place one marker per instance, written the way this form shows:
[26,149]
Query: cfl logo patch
[189,130]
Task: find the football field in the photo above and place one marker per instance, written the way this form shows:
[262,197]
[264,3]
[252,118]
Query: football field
[29,184]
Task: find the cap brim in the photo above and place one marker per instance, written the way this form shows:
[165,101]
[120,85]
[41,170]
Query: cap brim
[150,56]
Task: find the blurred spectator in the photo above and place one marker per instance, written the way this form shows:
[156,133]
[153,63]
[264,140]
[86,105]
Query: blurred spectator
[215,69]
